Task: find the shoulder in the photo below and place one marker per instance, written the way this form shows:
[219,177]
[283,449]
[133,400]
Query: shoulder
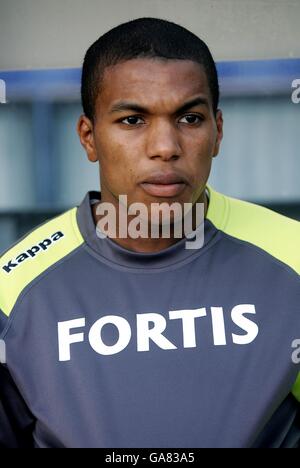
[276,234]
[34,254]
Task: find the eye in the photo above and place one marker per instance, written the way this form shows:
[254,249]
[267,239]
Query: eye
[132,120]
[191,119]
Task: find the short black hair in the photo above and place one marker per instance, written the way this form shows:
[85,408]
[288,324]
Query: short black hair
[143,38]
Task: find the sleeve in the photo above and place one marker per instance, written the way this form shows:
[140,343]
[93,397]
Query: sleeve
[16,421]
[283,429]
[292,439]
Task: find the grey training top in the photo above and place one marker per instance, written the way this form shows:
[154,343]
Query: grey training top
[106,347]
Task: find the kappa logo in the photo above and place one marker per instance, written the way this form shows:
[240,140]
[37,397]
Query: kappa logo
[32,252]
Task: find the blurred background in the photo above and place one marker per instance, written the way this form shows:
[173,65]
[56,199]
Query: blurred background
[44,170]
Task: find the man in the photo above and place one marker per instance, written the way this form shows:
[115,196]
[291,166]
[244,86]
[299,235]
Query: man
[117,340]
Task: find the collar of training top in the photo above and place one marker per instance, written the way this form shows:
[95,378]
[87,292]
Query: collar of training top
[109,250]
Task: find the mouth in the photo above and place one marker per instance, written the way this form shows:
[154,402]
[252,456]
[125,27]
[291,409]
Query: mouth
[164,184]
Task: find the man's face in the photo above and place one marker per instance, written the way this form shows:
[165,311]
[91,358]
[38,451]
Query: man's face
[154,133]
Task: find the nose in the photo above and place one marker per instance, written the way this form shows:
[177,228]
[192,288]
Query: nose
[163,141]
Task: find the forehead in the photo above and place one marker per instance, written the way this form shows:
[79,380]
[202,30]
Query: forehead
[152,82]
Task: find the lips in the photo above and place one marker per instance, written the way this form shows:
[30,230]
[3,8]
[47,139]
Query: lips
[164,184]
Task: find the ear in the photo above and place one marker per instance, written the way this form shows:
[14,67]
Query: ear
[86,136]
[219,136]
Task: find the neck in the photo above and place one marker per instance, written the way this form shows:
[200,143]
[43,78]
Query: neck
[149,244]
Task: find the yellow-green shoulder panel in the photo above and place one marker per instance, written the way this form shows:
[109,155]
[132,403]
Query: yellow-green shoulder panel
[34,254]
[296,388]
[272,232]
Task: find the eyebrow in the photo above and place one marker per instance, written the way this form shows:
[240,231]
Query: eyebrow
[132,106]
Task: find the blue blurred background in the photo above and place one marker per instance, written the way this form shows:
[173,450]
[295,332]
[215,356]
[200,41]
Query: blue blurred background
[44,169]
